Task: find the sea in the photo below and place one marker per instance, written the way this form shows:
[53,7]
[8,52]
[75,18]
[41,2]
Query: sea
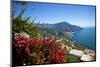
[86,37]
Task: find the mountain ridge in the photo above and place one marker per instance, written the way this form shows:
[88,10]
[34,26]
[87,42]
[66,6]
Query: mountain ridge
[61,27]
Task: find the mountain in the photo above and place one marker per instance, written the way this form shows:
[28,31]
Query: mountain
[60,27]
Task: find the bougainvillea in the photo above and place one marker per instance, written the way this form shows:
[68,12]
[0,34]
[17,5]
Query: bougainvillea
[37,51]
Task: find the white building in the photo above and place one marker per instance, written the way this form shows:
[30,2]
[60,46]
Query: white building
[86,58]
[75,52]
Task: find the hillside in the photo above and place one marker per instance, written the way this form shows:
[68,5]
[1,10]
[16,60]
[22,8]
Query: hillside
[61,27]
[58,29]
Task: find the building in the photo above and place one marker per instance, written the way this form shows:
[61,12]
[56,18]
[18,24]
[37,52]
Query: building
[75,52]
[86,58]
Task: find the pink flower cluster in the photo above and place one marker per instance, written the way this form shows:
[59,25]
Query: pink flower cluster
[38,51]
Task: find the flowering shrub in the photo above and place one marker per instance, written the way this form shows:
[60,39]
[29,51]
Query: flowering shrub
[37,51]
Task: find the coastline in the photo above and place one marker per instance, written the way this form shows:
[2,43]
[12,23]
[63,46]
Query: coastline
[86,40]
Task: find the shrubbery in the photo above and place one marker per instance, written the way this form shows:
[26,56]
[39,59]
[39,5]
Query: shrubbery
[37,51]
[23,25]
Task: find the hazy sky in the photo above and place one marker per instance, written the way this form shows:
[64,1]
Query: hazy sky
[83,16]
